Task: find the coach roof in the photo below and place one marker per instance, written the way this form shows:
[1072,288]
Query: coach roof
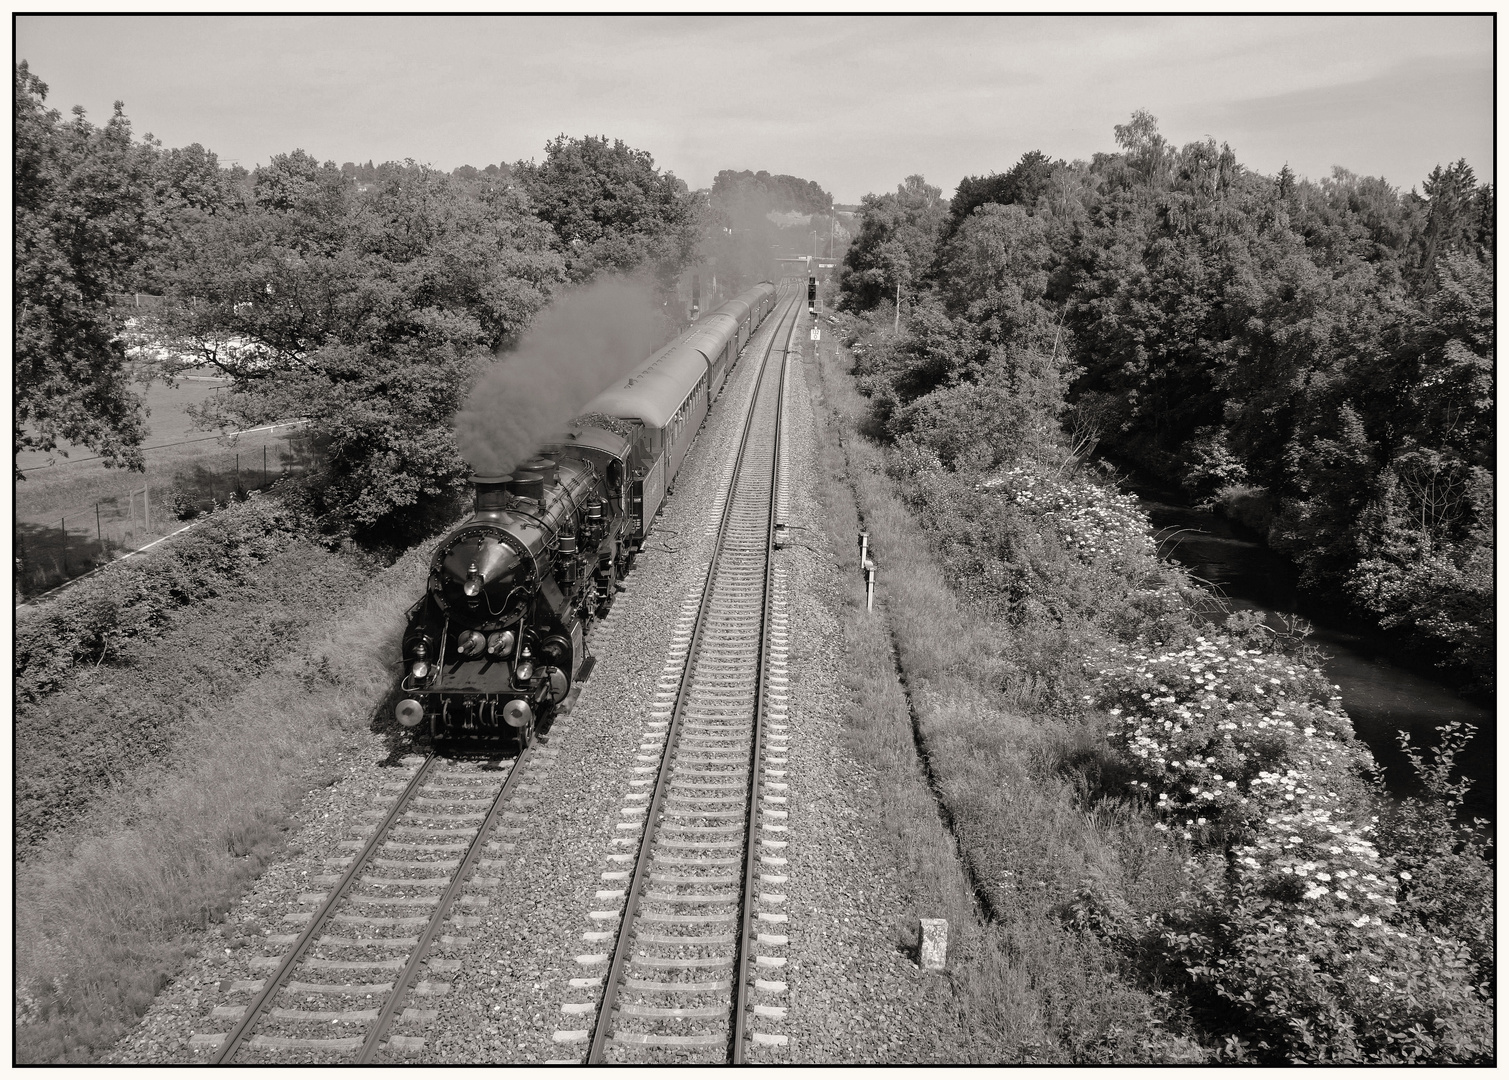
[712,334]
[654,392]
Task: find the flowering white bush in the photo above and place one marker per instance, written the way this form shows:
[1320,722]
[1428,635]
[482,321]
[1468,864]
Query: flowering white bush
[1091,519]
[1292,918]
[1219,731]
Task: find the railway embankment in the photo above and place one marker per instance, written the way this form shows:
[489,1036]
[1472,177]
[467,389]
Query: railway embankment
[173,713]
[1174,847]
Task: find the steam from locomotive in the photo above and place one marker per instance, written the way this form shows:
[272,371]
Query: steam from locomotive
[576,347]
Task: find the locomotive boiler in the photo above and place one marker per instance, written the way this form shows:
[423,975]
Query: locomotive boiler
[498,640]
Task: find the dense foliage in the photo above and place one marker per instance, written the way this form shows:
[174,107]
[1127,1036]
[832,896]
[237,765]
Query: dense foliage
[1314,357]
[1317,357]
[367,312]
[1317,919]
[362,299]
[101,620]
[82,199]
[611,208]
[109,673]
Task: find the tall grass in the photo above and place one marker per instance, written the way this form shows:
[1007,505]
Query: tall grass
[102,923]
[1028,987]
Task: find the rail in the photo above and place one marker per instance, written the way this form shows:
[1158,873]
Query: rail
[734,605]
[227,1046]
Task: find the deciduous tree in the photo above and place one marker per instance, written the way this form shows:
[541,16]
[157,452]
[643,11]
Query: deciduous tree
[82,200]
[611,208]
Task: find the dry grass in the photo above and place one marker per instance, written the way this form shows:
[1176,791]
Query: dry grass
[1026,985]
[100,926]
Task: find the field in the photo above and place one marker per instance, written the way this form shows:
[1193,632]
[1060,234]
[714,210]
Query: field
[74,513]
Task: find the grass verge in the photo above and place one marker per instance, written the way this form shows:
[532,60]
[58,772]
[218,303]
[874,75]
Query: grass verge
[1028,988]
[107,720]
[101,925]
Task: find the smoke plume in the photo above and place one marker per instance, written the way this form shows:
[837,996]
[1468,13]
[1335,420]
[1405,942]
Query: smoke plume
[575,349]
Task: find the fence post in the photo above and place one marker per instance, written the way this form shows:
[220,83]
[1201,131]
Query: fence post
[264,464]
[63,528]
[146,507]
[98,532]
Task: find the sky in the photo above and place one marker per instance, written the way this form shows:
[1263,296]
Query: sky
[856,103]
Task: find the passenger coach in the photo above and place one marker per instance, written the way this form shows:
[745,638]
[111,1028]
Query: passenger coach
[667,399]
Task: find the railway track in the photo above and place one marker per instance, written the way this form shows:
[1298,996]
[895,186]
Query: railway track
[694,971]
[358,983]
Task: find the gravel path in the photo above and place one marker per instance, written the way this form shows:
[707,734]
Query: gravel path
[854,992]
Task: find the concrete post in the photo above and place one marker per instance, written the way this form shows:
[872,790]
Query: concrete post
[934,949]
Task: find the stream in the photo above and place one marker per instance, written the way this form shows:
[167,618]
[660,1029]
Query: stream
[1382,697]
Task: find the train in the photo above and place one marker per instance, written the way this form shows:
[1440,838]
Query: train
[498,640]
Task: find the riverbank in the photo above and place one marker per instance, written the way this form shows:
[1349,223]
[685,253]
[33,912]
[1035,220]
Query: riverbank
[1385,688]
[1237,864]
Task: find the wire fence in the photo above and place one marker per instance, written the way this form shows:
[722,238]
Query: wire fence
[100,515]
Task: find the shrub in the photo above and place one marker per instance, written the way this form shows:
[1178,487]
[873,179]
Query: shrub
[97,621]
[1222,736]
[1443,863]
[111,720]
[1334,982]
[182,506]
[1293,934]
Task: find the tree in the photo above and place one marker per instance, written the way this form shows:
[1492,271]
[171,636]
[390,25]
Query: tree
[82,200]
[366,312]
[1458,217]
[1023,184]
[898,236]
[612,209]
[1147,152]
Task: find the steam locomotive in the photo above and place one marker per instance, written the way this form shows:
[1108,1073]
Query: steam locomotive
[498,640]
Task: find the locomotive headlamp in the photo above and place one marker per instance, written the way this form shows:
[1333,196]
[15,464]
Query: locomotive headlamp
[517,713]
[525,671]
[473,583]
[420,669]
[500,642]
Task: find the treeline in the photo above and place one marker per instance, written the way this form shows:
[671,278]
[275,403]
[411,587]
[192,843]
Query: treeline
[1315,358]
[1175,825]
[364,298]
